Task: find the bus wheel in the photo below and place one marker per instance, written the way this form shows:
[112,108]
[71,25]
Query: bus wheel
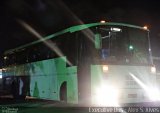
[14,89]
[63,92]
[18,92]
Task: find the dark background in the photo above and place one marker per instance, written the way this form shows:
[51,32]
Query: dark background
[49,16]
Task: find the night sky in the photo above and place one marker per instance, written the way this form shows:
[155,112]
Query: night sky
[49,16]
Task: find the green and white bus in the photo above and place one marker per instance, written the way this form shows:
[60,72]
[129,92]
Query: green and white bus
[98,63]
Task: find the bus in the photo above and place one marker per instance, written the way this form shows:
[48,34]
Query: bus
[98,63]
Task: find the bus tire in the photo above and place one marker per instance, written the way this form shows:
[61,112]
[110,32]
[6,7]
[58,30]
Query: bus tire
[15,91]
[63,92]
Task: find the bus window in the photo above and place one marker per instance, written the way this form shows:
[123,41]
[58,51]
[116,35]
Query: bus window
[126,45]
[113,43]
[138,46]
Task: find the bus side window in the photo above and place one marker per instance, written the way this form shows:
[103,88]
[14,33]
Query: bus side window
[11,59]
[8,60]
[44,52]
[29,55]
[34,54]
[50,54]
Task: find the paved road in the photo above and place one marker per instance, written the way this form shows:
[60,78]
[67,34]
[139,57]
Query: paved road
[32,105]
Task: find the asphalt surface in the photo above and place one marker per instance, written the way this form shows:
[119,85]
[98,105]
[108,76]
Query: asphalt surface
[33,105]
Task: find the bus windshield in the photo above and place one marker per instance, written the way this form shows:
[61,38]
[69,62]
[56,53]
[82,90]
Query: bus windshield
[124,45]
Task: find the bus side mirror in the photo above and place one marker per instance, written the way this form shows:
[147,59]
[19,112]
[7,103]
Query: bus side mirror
[98,41]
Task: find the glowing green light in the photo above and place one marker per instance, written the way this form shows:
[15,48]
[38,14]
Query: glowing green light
[130,47]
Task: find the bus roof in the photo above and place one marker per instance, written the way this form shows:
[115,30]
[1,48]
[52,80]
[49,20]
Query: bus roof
[71,30]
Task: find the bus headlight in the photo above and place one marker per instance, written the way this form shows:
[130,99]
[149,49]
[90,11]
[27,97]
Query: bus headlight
[105,68]
[154,94]
[153,69]
[106,96]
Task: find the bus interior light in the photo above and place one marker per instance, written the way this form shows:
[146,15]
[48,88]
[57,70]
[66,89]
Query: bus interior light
[5,57]
[3,69]
[116,29]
